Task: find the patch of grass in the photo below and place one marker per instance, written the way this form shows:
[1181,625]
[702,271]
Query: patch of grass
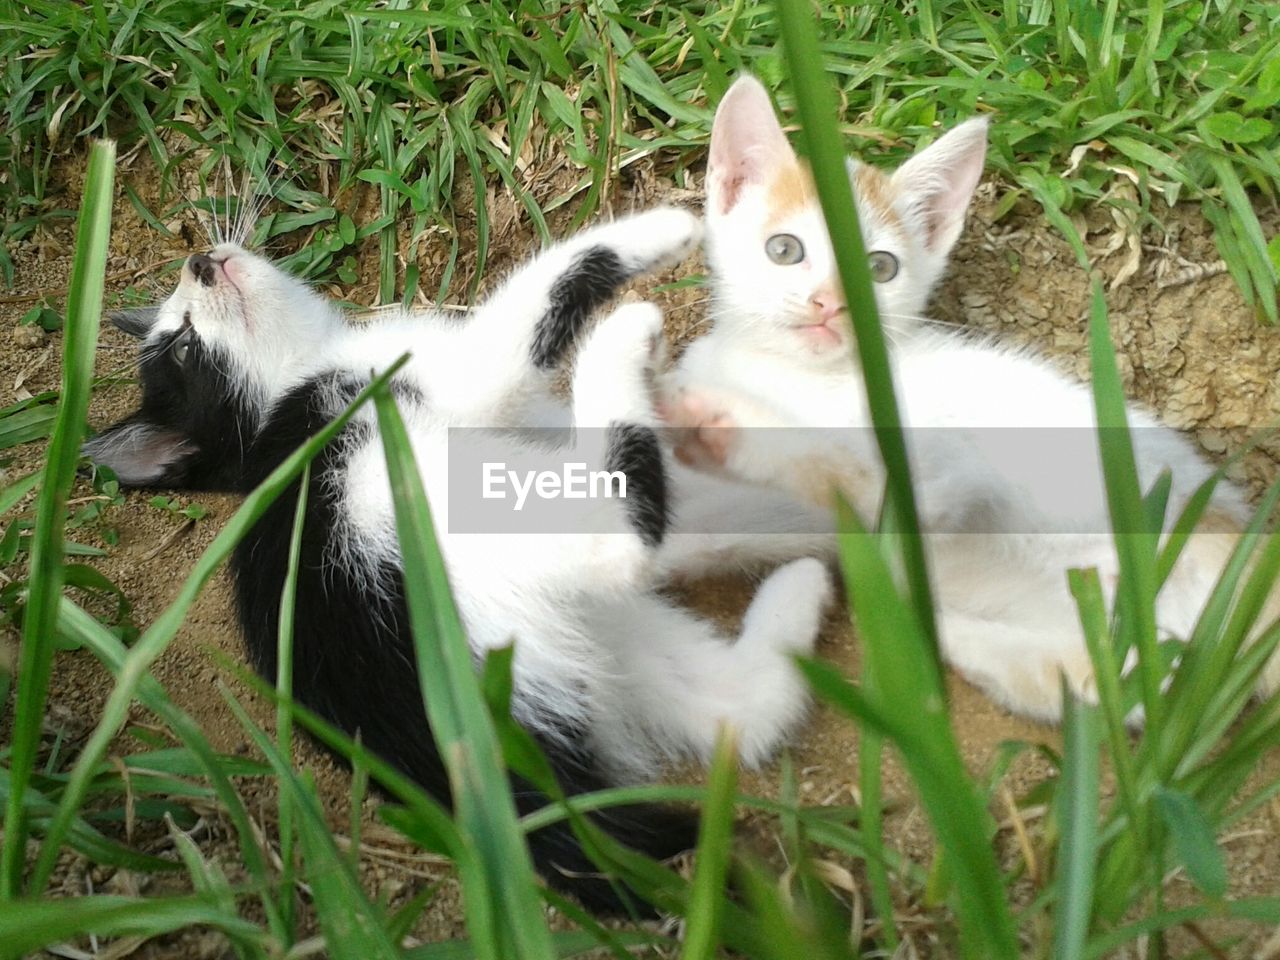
[1137,105]
[48,570]
[175,507]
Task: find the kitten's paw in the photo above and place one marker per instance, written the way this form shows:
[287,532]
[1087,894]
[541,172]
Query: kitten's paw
[656,238]
[614,368]
[804,588]
[633,334]
[702,431]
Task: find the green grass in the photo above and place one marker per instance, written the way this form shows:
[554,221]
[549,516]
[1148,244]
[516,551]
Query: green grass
[1182,94]
[1174,91]
[48,569]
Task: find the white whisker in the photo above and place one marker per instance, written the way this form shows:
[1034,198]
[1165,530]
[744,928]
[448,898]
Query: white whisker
[928,321]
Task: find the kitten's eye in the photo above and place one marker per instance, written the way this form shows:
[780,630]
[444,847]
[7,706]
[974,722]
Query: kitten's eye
[180,350]
[884,266]
[784,248]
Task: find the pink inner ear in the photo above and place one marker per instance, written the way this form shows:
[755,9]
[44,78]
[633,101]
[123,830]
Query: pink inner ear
[939,181]
[138,451]
[729,188]
[747,144]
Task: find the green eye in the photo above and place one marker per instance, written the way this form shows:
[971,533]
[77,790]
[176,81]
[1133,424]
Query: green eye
[784,249]
[884,266]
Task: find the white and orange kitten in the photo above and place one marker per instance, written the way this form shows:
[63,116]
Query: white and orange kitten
[1003,446]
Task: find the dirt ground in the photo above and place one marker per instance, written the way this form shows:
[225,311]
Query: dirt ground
[1190,349]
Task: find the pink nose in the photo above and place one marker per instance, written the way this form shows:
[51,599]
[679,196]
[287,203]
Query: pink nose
[826,305]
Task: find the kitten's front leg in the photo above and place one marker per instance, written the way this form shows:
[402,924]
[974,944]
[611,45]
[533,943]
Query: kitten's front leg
[727,432]
[521,334]
[703,432]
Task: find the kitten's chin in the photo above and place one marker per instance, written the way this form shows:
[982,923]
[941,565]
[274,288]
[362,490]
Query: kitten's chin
[822,338]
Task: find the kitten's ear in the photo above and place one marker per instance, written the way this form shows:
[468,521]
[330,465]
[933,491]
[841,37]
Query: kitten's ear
[938,182]
[135,321]
[747,144]
[140,452]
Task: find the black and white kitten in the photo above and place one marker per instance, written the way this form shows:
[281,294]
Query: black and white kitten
[242,363]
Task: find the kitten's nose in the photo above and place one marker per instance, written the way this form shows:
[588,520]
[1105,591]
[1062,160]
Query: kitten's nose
[826,305]
[203,268]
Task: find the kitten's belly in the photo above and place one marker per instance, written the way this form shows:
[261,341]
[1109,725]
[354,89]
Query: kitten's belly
[494,577]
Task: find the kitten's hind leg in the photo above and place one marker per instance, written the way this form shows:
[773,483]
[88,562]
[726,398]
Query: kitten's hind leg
[1021,666]
[720,525]
[599,529]
[524,331]
[680,679]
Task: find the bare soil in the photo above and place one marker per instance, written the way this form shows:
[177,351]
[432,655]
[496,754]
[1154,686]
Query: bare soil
[1189,346]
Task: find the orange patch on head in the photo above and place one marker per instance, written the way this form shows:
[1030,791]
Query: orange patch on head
[876,192]
[791,190]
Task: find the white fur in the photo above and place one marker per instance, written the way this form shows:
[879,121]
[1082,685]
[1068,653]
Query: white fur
[1003,446]
[596,646]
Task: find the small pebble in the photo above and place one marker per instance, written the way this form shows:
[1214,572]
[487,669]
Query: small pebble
[27,336]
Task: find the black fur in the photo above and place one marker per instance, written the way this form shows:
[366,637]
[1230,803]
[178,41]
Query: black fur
[354,662]
[586,285]
[202,268]
[354,657]
[190,405]
[634,450]
[135,321]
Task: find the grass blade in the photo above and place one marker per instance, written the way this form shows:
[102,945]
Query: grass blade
[158,636]
[506,919]
[1136,549]
[28,925]
[826,153]
[111,653]
[907,706]
[1078,822]
[352,927]
[715,840]
[284,689]
[1193,839]
[84,308]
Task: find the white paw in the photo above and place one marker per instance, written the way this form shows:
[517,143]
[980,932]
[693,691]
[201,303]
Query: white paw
[630,337]
[659,237]
[641,320]
[803,589]
[809,581]
[614,367]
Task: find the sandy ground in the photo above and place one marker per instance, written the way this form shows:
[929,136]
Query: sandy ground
[1190,348]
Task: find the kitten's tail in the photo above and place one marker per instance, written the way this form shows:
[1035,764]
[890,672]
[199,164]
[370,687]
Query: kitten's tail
[1207,553]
